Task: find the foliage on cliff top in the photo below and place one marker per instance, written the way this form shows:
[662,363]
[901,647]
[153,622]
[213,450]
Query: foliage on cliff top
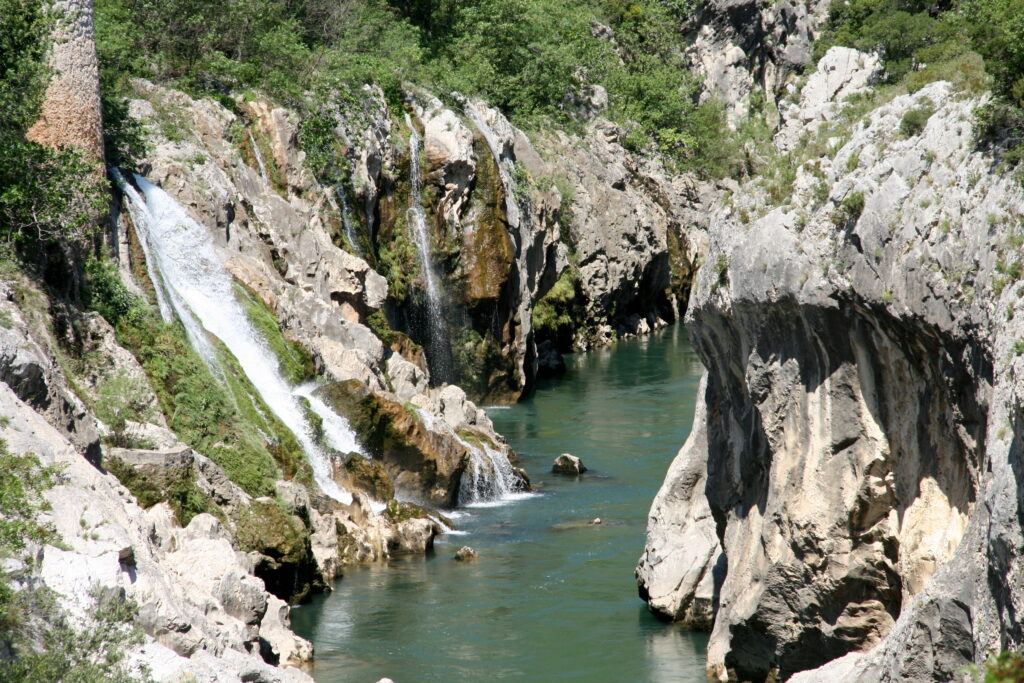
[528,57]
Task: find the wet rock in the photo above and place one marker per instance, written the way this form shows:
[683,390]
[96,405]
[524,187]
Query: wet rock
[568,464]
[465,554]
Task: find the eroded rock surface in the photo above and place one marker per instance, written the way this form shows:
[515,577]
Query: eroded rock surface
[855,447]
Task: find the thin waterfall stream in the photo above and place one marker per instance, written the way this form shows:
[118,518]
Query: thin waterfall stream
[437,331]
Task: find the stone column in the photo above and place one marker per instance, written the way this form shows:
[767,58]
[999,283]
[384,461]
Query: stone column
[71,115]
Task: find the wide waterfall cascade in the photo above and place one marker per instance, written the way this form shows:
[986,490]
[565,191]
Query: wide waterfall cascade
[436,326]
[259,157]
[489,478]
[202,294]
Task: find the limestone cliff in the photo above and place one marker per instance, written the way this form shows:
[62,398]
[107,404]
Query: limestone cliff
[855,450]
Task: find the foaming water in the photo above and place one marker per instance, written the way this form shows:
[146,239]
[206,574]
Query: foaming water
[185,265]
[347,221]
[259,157]
[551,596]
[489,478]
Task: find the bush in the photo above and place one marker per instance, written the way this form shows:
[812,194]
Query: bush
[914,121]
[560,312]
[122,399]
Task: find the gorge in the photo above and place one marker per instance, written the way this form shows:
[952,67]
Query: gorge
[297,299]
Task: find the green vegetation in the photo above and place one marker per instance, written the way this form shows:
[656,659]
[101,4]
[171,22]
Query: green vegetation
[177,487]
[46,196]
[43,643]
[914,121]
[225,420]
[1005,667]
[975,44]
[560,313]
[294,362]
[122,399]
[531,58]
[849,210]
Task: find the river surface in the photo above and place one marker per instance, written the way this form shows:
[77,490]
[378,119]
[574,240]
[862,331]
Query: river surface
[551,597]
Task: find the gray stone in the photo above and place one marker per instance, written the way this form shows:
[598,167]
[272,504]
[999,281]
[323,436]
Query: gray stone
[568,464]
[465,554]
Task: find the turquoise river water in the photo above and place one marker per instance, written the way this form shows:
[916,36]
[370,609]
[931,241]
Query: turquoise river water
[550,598]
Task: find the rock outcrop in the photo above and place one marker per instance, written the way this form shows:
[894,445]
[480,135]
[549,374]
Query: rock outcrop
[745,47]
[856,445]
[567,463]
[278,235]
[199,603]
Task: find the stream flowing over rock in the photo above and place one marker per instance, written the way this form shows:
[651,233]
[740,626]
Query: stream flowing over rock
[848,491]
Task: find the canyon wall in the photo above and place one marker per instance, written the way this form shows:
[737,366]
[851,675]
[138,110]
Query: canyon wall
[848,493]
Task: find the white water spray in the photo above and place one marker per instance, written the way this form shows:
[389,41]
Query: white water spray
[489,478]
[347,221]
[421,235]
[202,294]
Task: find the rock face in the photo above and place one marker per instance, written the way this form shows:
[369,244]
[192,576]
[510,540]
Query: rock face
[856,443]
[623,214]
[278,238]
[71,114]
[742,47]
[568,464]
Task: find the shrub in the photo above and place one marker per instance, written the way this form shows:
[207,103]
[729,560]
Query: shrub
[560,312]
[850,209]
[122,399]
[914,121]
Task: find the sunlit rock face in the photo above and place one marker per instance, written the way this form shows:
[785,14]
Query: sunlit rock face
[855,452]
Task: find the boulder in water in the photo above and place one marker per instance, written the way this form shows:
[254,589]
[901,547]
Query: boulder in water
[465,554]
[568,464]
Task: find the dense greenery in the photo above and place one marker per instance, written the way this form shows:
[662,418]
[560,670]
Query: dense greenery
[529,57]
[45,195]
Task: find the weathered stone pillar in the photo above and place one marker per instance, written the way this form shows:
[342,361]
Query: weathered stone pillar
[71,115]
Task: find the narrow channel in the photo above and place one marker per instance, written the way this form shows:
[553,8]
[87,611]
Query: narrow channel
[551,597]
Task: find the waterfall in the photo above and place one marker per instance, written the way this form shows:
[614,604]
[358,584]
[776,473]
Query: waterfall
[259,156]
[183,261]
[488,478]
[436,327]
[346,220]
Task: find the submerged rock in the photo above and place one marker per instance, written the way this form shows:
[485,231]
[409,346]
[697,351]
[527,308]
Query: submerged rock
[465,554]
[568,464]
